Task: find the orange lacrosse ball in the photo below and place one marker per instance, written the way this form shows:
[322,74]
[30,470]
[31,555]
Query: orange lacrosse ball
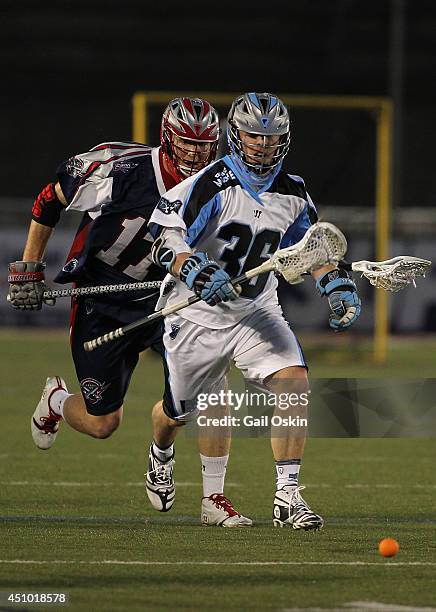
[388,547]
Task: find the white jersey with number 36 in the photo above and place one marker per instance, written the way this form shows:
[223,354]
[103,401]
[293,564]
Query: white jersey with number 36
[218,213]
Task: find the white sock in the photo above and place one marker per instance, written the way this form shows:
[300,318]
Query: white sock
[57,401]
[287,473]
[163,454]
[214,472]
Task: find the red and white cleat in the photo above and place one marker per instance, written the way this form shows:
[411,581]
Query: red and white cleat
[218,510]
[45,422]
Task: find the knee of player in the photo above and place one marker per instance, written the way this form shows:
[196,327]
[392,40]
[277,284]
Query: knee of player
[106,425]
[292,381]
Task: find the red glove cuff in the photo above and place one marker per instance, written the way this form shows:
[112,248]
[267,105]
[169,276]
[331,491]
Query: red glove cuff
[24,277]
[26,271]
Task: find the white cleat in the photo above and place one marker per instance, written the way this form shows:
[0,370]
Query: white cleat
[159,483]
[218,510]
[45,422]
[291,510]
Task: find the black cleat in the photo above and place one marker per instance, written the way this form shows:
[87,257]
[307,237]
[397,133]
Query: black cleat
[159,483]
[291,510]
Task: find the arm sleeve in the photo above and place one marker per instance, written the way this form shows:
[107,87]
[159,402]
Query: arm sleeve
[184,208]
[86,180]
[175,238]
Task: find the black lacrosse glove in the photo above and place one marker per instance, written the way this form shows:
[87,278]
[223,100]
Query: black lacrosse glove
[27,286]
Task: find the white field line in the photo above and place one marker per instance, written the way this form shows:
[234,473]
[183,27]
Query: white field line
[361,606]
[65,456]
[223,563]
[65,483]
[35,483]
[380,607]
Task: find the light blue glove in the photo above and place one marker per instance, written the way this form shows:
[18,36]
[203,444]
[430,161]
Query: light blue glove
[207,279]
[345,304]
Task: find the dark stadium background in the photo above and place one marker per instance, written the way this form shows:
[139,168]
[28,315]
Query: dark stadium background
[71,67]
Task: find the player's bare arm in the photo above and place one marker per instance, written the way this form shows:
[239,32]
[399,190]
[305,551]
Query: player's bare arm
[178,263]
[39,233]
[26,277]
[37,240]
[316,274]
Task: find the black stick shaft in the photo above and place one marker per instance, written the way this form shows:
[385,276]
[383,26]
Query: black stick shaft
[90,345]
[161,313]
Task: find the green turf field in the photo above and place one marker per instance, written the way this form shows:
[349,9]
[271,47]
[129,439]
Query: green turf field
[76,519]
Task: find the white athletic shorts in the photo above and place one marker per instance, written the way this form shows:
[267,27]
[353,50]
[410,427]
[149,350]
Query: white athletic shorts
[198,358]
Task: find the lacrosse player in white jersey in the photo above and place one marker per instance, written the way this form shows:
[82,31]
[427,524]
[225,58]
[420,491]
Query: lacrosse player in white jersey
[229,218]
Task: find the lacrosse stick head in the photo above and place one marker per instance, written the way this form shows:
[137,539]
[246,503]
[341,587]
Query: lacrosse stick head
[323,243]
[393,274]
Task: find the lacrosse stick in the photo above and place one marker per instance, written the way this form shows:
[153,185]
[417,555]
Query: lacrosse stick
[392,274]
[101,289]
[323,243]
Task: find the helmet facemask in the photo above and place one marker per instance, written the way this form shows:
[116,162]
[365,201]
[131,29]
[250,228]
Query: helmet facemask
[188,156]
[189,136]
[258,155]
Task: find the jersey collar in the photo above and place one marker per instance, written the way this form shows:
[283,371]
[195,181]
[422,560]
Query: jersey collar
[164,180]
[254,185]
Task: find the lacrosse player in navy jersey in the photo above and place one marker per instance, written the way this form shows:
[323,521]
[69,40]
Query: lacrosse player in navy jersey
[115,186]
[228,219]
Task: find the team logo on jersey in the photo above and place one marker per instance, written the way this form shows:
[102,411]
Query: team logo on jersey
[257,214]
[124,166]
[70,266]
[93,389]
[89,306]
[174,331]
[168,207]
[223,177]
[75,167]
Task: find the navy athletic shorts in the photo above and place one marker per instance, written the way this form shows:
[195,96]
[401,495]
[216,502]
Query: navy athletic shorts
[104,374]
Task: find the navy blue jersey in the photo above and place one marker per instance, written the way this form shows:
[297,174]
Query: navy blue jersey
[116,185]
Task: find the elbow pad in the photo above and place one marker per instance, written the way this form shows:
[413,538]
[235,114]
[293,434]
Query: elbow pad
[47,207]
[167,246]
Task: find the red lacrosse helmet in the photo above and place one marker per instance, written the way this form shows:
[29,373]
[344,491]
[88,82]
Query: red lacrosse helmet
[189,136]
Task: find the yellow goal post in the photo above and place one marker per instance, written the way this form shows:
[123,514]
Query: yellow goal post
[381,108]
